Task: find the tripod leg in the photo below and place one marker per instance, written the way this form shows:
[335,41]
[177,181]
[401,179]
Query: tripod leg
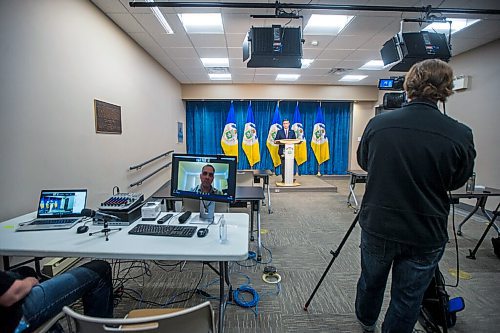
[334,256]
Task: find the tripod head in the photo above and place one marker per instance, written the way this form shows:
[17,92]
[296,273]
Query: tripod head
[106,230]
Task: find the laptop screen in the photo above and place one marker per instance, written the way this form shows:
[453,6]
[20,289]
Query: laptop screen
[63,203]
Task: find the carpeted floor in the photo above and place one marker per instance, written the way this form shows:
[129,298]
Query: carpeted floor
[298,236]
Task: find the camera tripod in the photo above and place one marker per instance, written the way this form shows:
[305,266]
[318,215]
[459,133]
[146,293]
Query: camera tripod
[106,229]
[335,254]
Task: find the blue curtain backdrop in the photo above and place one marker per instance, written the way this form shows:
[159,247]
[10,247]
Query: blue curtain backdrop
[205,121]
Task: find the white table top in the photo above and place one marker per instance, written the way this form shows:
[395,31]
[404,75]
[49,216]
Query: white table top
[121,245]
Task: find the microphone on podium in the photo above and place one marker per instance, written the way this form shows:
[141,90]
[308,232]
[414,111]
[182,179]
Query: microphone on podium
[99,215]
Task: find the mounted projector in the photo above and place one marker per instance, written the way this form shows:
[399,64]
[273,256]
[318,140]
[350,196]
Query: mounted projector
[275,47]
[408,48]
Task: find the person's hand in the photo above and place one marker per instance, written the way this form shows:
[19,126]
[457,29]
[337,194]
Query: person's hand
[31,281]
[17,291]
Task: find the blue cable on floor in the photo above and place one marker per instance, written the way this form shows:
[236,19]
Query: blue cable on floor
[246,304]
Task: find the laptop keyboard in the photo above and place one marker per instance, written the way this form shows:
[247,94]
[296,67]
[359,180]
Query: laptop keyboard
[53,221]
[163,230]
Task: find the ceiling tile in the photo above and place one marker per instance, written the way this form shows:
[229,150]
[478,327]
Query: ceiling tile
[190,65]
[208,40]
[127,22]
[235,40]
[335,54]
[348,42]
[235,52]
[149,23]
[172,40]
[181,52]
[212,52]
[236,23]
[111,6]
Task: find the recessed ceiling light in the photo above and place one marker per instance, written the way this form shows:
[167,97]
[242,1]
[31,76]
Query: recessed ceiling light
[306,62]
[220,76]
[353,78]
[373,65]
[287,77]
[161,18]
[326,24]
[457,24]
[215,62]
[202,23]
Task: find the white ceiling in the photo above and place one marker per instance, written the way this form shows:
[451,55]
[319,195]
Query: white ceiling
[358,43]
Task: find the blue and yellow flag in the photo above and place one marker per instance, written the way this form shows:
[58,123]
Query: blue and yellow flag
[273,130]
[319,142]
[250,141]
[229,140]
[301,148]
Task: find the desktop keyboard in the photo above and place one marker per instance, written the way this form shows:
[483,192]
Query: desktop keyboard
[53,221]
[163,230]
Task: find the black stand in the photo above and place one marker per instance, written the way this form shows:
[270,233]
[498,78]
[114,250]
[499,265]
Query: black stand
[106,230]
[335,255]
[472,253]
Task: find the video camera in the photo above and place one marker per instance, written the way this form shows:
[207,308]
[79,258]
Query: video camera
[393,100]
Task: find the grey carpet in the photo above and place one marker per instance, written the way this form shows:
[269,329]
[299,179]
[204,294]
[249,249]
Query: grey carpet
[300,233]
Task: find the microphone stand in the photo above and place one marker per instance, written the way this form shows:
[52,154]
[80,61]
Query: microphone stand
[106,230]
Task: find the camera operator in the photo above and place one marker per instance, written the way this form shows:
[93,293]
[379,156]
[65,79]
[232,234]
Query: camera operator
[413,156]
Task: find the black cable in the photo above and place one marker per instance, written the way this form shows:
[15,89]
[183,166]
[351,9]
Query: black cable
[193,291]
[456,241]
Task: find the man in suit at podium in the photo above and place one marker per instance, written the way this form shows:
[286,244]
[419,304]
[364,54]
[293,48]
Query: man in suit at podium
[284,133]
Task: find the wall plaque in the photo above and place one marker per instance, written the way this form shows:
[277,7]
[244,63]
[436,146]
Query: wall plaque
[108,118]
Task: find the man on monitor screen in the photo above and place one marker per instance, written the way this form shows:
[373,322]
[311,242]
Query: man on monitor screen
[207,178]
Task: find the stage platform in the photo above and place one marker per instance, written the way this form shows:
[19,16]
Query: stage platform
[308,183]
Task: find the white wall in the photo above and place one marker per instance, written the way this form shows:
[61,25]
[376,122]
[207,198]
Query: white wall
[478,107]
[56,58]
[362,112]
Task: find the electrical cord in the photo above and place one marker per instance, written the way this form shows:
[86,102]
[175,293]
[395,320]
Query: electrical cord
[456,241]
[239,300]
[253,256]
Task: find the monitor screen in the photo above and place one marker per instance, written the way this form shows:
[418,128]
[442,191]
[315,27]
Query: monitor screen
[386,84]
[204,177]
[62,203]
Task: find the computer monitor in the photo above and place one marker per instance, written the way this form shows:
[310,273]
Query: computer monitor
[204,177]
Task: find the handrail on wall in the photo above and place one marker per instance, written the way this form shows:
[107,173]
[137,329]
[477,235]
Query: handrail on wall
[138,166]
[139,182]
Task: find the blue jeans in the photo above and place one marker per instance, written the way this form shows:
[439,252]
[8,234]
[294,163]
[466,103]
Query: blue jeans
[91,282]
[412,271]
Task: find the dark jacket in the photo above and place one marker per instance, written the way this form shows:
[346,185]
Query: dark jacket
[281,135]
[413,156]
[9,316]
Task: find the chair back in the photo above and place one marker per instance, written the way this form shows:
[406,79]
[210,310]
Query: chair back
[197,319]
[244,178]
[45,327]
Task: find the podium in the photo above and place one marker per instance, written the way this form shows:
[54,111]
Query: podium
[289,152]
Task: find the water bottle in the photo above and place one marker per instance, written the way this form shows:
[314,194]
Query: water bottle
[222,229]
[471,183]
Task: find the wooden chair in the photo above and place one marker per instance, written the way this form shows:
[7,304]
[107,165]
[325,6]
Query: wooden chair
[197,319]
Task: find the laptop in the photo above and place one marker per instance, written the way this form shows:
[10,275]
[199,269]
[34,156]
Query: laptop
[57,209]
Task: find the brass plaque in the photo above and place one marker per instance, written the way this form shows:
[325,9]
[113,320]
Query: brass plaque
[108,118]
